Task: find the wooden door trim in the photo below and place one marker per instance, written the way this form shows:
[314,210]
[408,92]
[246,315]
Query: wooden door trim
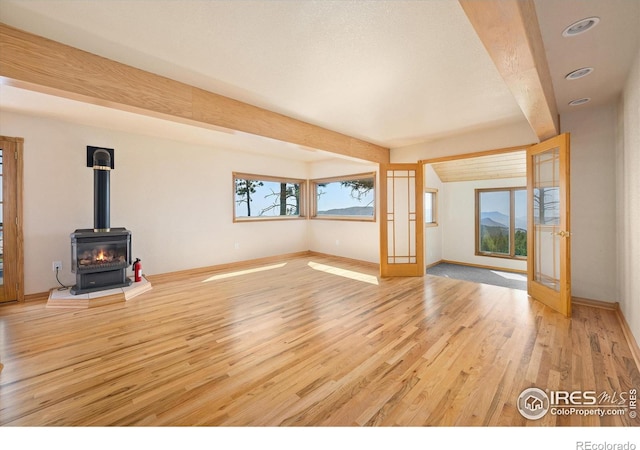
[492,152]
[19,151]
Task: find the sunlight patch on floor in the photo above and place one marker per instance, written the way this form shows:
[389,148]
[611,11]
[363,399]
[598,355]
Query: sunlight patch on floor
[358,276]
[238,273]
[511,275]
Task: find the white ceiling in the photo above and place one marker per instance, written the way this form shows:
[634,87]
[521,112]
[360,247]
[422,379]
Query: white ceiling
[389,72]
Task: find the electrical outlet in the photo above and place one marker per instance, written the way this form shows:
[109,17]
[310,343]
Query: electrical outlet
[57,265]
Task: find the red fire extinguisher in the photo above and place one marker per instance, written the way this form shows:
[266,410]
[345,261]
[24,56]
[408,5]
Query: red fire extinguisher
[137,270]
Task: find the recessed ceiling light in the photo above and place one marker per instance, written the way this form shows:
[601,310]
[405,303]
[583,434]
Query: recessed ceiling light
[579,101]
[579,73]
[581,26]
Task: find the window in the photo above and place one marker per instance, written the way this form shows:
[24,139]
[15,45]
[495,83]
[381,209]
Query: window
[258,197]
[501,222]
[345,198]
[430,207]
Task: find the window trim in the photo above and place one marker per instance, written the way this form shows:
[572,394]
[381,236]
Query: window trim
[434,205]
[250,176]
[313,189]
[512,223]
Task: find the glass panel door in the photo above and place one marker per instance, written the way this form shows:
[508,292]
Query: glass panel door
[546,218]
[401,222]
[549,243]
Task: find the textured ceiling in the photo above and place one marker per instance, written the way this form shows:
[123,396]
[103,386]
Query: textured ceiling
[393,73]
[389,72]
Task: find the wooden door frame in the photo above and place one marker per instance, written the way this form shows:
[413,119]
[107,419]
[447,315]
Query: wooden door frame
[18,144]
[566,245]
[497,151]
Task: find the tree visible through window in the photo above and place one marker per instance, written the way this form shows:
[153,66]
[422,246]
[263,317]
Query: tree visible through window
[501,222]
[258,196]
[350,197]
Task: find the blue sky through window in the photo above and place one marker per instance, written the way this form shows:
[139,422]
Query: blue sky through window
[334,196]
[496,206]
[264,201]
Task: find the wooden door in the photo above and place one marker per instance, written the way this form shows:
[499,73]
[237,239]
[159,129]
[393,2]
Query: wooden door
[401,220]
[10,230]
[549,230]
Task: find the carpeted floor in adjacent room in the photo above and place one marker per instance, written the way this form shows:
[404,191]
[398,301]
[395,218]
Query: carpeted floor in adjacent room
[479,275]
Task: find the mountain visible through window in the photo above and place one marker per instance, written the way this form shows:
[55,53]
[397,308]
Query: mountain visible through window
[502,222]
[350,197]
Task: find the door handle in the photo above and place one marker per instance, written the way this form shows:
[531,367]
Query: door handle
[563,233]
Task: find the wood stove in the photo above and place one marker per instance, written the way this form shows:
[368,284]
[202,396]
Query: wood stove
[100,259]
[100,256]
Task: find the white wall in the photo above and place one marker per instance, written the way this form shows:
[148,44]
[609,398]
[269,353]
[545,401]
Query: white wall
[176,199]
[593,202]
[349,239]
[506,135]
[628,199]
[433,235]
[459,222]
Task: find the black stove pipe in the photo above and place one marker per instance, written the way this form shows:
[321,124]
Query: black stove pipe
[101,182]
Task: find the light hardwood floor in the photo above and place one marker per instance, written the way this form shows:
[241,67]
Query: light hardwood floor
[296,345]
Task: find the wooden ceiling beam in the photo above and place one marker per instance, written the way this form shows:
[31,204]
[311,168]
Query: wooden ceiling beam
[510,32]
[32,62]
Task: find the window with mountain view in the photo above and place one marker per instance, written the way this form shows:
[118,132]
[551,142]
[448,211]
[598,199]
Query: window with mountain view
[258,197]
[345,198]
[501,222]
